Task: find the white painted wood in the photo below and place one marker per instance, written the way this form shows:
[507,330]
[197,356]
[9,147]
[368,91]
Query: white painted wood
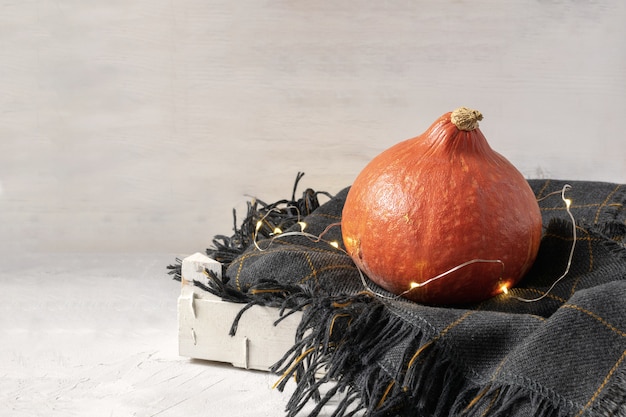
[204,322]
[193,268]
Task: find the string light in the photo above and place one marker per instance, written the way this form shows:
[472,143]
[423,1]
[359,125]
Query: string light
[456,268]
[278,233]
[504,288]
[277,230]
[415,285]
[568,204]
[310,236]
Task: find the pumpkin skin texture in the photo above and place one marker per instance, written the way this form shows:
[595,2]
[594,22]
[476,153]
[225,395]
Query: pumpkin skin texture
[434,202]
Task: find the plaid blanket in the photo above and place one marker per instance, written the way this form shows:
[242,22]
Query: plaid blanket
[561,355]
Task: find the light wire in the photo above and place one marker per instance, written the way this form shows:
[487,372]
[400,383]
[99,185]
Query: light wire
[568,203]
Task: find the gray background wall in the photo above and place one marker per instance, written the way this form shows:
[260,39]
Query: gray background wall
[138,125]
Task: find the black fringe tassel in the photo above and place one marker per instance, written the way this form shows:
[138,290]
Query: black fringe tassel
[281,214]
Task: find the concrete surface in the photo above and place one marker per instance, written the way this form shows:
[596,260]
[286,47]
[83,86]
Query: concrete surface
[96,335]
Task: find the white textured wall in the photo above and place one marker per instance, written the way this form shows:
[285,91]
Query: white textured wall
[136,125]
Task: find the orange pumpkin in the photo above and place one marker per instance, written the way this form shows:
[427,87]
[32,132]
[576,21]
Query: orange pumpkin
[442,218]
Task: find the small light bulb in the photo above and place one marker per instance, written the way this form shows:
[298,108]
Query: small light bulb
[277,231]
[334,244]
[414,285]
[259,224]
[302,226]
[568,202]
[504,289]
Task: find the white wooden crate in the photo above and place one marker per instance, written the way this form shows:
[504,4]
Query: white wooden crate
[204,322]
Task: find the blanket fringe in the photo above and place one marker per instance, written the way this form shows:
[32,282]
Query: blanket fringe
[282,214]
[339,353]
[613,402]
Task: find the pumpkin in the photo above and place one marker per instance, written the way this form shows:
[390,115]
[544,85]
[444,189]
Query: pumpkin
[442,218]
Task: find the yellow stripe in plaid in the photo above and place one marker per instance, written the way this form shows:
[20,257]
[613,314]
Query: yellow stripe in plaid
[597,317]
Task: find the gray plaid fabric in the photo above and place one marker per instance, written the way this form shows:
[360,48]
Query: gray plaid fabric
[564,355]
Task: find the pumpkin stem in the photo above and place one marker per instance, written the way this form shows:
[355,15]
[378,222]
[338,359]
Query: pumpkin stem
[466,119]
